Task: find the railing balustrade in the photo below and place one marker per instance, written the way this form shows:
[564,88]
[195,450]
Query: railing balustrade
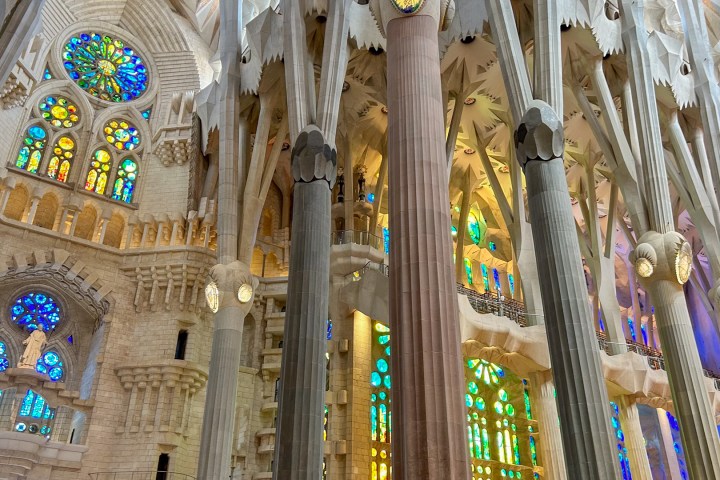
[140,475]
[358,237]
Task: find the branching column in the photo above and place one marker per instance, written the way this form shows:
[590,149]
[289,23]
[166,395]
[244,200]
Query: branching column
[581,395]
[429,439]
[663,259]
[299,439]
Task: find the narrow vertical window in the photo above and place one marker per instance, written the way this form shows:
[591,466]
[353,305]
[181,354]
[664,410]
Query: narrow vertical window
[181,345]
[163,466]
[125,182]
[60,162]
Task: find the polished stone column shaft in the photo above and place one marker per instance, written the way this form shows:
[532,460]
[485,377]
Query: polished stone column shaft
[574,354]
[299,439]
[429,424]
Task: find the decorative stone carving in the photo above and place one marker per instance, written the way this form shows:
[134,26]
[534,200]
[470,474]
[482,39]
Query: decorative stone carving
[231,280]
[312,157]
[663,257]
[175,141]
[33,350]
[540,134]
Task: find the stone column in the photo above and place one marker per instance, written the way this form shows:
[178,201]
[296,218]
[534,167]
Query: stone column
[552,457]
[668,444]
[299,438]
[581,395]
[663,259]
[16,31]
[223,295]
[429,423]
[634,439]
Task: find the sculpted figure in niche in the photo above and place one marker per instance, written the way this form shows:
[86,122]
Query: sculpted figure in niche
[33,350]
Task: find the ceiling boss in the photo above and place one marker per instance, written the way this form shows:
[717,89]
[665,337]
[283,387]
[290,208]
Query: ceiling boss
[408,6]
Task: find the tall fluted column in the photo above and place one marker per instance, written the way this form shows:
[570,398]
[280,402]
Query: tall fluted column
[581,395]
[299,439]
[429,439]
[226,278]
[552,456]
[634,440]
[663,259]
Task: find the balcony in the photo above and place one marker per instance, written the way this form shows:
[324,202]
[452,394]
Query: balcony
[140,475]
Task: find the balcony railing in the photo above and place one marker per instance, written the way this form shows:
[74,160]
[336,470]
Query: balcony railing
[515,311]
[140,475]
[357,237]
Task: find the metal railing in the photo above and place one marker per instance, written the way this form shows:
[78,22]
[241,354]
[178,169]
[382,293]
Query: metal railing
[140,475]
[357,237]
[515,311]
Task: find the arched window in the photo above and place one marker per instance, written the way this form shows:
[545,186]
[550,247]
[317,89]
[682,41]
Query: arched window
[476,228]
[4,361]
[125,180]
[97,176]
[35,415]
[61,161]
[33,309]
[32,149]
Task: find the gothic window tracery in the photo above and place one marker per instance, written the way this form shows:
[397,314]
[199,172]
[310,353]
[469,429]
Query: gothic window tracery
[33,309]
[4,361]
[35,415]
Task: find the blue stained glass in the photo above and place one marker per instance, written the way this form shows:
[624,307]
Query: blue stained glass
[3,348]
[51,365]
[474,229]
[146,113]
[492,246]
[33,309]
[486,281]
[37,132]
[329,330]
[496,278]
[382,365]
[105,67]
[386,240]
[47,75]
[371,197]
[38,407]
[27,403]
[643,331]
[375,379]
[511,284]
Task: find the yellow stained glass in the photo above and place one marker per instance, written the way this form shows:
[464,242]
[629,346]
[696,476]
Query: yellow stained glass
[408,6]
[101,183]
[59,112]
[64,169]
[34,161]
[66,143]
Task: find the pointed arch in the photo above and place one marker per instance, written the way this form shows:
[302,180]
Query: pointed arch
[99,171]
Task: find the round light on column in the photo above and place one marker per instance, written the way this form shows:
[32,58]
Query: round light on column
[212,296]
[245,293]
[683,263]
[644,267]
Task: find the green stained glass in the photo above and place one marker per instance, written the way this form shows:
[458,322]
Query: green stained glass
[468,270]
[32,149]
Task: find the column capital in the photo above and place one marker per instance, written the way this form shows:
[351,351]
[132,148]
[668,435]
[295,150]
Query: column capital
[540,134]
[230,285]
[312,157]
[659,256]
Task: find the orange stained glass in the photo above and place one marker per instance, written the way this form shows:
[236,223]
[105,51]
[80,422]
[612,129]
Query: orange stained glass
[60,162]
[97,176]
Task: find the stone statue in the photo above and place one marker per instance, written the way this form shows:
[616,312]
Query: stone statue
[33,350]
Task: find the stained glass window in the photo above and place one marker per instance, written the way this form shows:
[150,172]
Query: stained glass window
[631,328]
[97,177]
[486,279]
[622,452]
[125,181]
[61,161]
[468,270]
[511,284]
[33,309]
[496,279]
[35,415]
[4,362]
[32,149]
[408,6]
[146,113]
[59,111]
[51,365]
[386,240]
[47,74]
[474,229]
[105,67]
[380,412]
[501,439]
[121,134]
[677,445]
